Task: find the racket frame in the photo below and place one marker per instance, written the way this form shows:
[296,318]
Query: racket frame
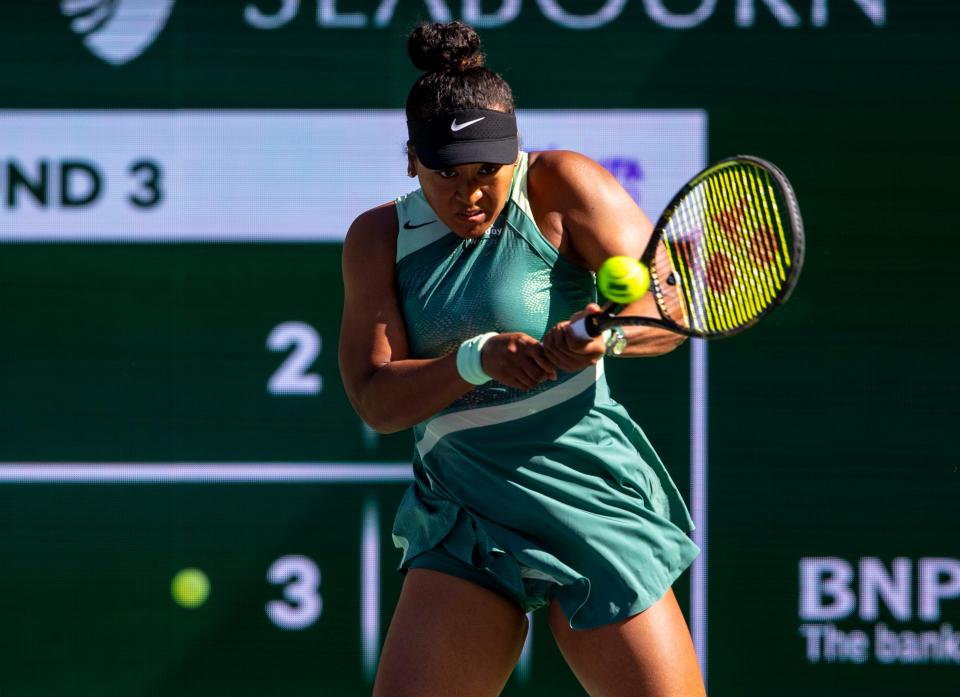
[597,323]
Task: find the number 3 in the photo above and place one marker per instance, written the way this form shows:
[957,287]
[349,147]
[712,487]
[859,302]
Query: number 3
[304,605]
[150,184]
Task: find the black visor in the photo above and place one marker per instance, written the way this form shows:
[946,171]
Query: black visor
[463,137]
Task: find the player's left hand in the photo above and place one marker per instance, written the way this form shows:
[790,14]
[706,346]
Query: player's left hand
[566,351]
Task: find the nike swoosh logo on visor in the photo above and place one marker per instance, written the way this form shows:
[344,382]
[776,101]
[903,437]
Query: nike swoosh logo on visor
[408,226]
[460,126]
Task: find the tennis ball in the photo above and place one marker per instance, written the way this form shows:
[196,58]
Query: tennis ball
[190,588]
[623,279]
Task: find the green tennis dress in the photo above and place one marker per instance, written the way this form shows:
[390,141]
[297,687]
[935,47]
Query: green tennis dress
[550,493]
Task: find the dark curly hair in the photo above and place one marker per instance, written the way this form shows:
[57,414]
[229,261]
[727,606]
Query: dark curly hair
[455,77]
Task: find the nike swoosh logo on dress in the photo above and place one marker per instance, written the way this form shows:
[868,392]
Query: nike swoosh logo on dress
[408,226]
[460,126]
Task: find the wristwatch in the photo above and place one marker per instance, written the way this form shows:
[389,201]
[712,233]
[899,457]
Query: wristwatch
[616,342]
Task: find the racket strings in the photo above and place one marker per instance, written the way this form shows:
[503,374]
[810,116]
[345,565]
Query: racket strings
[678,252]
[725,252]
[733,226]
[720,266]
[763,248]
[669,286]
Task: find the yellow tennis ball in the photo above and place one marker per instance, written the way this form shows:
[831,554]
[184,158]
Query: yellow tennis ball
[190,588]
[623,279]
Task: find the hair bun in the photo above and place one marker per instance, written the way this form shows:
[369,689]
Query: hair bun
[453,47]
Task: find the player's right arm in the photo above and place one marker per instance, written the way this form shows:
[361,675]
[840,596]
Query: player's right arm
[390,390]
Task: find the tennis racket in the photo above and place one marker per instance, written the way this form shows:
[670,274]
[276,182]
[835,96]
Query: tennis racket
[725,252]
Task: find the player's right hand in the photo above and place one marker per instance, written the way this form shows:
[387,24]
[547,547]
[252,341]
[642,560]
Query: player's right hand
[516,359]
[568,352]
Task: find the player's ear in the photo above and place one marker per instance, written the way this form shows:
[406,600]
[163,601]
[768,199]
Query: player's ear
[411,164]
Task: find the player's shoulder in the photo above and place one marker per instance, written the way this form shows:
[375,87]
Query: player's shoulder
[380,220]
[561,165]
[375,227]
[564,170]
[371,241]
[558,175]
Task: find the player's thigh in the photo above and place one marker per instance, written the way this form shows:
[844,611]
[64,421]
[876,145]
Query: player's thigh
[449,636]
[647,655]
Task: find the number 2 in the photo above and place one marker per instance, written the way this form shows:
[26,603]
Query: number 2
[292,376]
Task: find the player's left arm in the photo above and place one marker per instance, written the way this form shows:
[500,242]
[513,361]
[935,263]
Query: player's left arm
[598,220]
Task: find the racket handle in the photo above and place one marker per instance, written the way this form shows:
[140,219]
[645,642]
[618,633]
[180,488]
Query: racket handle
[587,327]
[593,325]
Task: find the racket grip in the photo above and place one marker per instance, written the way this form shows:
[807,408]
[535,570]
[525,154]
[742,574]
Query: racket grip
[586,328]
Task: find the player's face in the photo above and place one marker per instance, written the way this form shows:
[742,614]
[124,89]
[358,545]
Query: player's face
[467,198]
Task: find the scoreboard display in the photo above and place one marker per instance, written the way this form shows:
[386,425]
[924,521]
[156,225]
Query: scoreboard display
[176,179]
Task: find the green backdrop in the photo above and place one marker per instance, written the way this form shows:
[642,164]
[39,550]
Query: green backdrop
[830,425]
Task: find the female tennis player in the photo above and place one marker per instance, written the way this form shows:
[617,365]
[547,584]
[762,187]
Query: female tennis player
[533,488]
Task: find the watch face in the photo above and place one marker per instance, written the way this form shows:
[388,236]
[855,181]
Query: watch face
[617,342]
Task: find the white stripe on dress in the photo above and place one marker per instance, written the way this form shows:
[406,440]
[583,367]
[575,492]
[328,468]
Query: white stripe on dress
[487,416]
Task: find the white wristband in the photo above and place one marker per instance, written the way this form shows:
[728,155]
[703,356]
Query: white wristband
[469,364]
